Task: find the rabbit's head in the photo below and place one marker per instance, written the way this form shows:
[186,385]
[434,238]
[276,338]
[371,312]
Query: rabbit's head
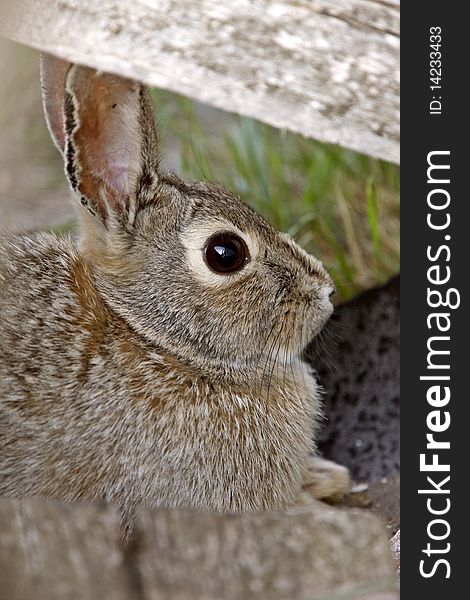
[189,266]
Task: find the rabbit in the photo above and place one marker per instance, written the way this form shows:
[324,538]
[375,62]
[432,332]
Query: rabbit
[156,360]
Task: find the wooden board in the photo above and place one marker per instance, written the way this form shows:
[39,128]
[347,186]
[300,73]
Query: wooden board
[54,551]
[328,70]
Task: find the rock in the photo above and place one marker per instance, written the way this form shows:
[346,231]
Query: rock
[359,367]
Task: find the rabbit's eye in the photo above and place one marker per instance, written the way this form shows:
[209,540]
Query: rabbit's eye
[226,253]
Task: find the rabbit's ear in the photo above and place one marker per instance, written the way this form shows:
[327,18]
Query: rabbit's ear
[53,73]
[110,143]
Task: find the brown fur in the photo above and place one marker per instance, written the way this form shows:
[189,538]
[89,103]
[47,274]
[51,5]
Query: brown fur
[129,371]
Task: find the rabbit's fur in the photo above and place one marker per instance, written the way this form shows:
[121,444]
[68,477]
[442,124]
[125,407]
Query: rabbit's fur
[129,371]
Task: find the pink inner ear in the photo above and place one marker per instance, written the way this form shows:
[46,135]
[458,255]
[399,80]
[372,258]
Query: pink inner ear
[106,138]
[117,167]
[121,135]
[120,174]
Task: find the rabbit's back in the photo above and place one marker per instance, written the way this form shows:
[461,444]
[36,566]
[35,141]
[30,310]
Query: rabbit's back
[70,373]
[45,331]
[39,308]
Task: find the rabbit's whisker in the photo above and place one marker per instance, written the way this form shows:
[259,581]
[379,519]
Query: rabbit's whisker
[278,338]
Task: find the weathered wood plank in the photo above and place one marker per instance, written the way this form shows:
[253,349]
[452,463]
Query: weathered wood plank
[54,551]
[329,70]
[308,553]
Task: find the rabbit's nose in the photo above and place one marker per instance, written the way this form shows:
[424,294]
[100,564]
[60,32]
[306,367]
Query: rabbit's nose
[327,282]
[327,287]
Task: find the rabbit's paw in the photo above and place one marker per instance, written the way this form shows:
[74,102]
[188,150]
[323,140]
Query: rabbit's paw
[325,480]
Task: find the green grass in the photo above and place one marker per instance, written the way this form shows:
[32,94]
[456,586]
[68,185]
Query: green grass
[341,206]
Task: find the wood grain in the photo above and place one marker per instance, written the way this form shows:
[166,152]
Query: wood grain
[54,551]
[328,70]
